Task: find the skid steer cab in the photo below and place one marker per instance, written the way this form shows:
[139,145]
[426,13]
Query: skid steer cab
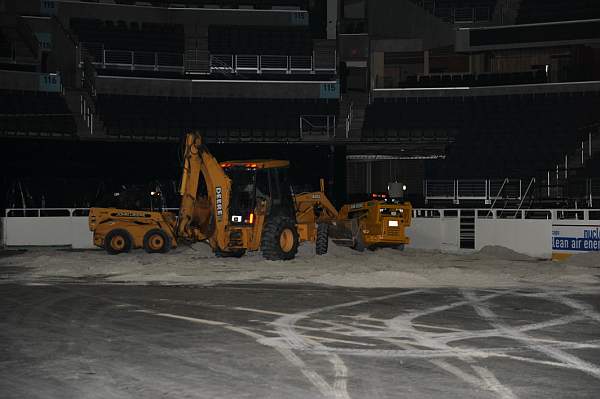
[373,224]
[120,230]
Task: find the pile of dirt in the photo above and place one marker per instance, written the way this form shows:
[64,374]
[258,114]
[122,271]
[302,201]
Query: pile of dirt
[499,252]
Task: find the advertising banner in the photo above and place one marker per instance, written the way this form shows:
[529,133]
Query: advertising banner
[574,238]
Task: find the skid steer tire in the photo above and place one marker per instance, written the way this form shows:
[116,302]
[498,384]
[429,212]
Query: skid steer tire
[322,243]
[117,241]
[359,242]
[279,239]
[156,241]
[399,247]
[230,254]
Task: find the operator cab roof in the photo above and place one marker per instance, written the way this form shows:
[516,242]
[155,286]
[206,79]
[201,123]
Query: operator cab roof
[256,164]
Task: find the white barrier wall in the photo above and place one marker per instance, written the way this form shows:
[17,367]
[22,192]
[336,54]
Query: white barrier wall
[528,236]
[2,241]
[47,230]
[434,233]
[537,233]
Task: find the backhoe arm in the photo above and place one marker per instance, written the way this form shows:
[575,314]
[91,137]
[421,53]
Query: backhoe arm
[199,161]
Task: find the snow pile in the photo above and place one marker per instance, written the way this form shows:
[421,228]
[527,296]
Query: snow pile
[196,264]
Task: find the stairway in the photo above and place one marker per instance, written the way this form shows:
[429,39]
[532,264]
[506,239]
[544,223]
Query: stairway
[352,115]
[197,55]
[87,120]
[570,177]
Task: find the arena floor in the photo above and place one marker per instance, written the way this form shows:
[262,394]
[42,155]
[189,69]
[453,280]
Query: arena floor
[88,340]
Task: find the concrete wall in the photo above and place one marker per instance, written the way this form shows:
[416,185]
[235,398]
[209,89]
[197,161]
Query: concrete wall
[530,237]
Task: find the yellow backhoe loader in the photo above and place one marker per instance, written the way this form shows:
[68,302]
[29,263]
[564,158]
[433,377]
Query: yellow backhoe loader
[237,206]
[373,224]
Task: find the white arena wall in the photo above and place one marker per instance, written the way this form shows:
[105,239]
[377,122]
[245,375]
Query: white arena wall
[537,233]
[47,227]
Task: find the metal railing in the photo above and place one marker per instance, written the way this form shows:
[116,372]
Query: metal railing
[133,60]
[317,126]
[479,213]
[234,63]
[486,190]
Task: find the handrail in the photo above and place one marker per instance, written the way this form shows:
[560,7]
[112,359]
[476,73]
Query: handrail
[328,127]
[498,194]
[258,63]
[531,182]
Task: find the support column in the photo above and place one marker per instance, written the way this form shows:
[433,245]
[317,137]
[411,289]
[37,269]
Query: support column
[332,19]
[339,175]
[369,176]
[426,62]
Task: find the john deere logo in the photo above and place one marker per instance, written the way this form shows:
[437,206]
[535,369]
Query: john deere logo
[219,202]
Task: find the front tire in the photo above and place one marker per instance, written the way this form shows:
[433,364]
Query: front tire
[322,243]
[157,241]
[117,241]
[279,239]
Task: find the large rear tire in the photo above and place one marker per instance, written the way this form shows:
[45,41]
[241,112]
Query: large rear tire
[156,241]
[117,241]
[322,243]
[279,239]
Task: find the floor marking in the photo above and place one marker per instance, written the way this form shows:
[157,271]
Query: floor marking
[510,332]
[493,384]
[338,391]
[260,311]
[325,339]
[413,339]
[583,308]
[285,324]
[192,319]
[340,387]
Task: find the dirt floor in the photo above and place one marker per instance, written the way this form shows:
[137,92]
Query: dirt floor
[490,267]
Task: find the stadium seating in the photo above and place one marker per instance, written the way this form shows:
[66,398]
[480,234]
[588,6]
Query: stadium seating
[35,113]
[5,47]
[233,119]
[148,37]
[261,40]
[494,136]
[533,11]
[459,10]
[259,4]
[471,80]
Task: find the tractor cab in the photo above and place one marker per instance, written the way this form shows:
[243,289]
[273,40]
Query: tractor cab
[258,184]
